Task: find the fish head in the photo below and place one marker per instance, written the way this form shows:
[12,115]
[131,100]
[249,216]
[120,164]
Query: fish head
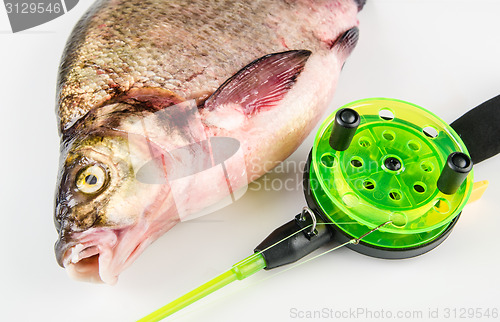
[105,216]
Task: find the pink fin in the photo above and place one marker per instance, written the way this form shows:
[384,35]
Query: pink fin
[262,83]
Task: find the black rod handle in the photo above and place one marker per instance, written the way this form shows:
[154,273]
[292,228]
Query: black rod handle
[480,130]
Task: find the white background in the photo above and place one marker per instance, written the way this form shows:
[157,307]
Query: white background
[442,55]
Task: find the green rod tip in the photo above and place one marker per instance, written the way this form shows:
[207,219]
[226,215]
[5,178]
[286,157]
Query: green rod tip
[238,271]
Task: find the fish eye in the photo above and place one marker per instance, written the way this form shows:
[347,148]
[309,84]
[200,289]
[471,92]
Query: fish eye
[91,179]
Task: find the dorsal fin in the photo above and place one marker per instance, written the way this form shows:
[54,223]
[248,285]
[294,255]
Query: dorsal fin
[345,43]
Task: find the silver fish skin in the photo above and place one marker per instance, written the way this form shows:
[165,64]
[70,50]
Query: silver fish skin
[167,108]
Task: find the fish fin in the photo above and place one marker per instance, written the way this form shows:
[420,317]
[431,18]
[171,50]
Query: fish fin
[345,43]
[360,4]
[262,83]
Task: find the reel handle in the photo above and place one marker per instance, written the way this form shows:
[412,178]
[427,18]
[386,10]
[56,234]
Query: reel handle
[480,130]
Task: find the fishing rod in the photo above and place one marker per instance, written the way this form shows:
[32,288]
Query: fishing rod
[385,178]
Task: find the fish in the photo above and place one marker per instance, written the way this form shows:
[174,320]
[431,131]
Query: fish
[168,107]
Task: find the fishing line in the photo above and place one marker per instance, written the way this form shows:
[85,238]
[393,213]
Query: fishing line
[253,283]
[309,227]
[352,241]
[251,265]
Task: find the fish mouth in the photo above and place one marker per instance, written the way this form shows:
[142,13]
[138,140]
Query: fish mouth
[99,255]
[84,264]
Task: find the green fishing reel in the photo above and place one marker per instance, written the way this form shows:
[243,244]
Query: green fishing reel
[391,163]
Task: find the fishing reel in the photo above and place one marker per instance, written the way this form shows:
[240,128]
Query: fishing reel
[392,163]
[385,178]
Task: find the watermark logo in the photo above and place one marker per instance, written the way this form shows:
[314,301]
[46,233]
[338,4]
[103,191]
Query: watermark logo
[202,173]
[25,14]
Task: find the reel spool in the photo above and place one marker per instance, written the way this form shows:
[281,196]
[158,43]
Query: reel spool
[385,160]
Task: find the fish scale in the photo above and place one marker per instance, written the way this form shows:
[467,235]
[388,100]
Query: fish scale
[121,45]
